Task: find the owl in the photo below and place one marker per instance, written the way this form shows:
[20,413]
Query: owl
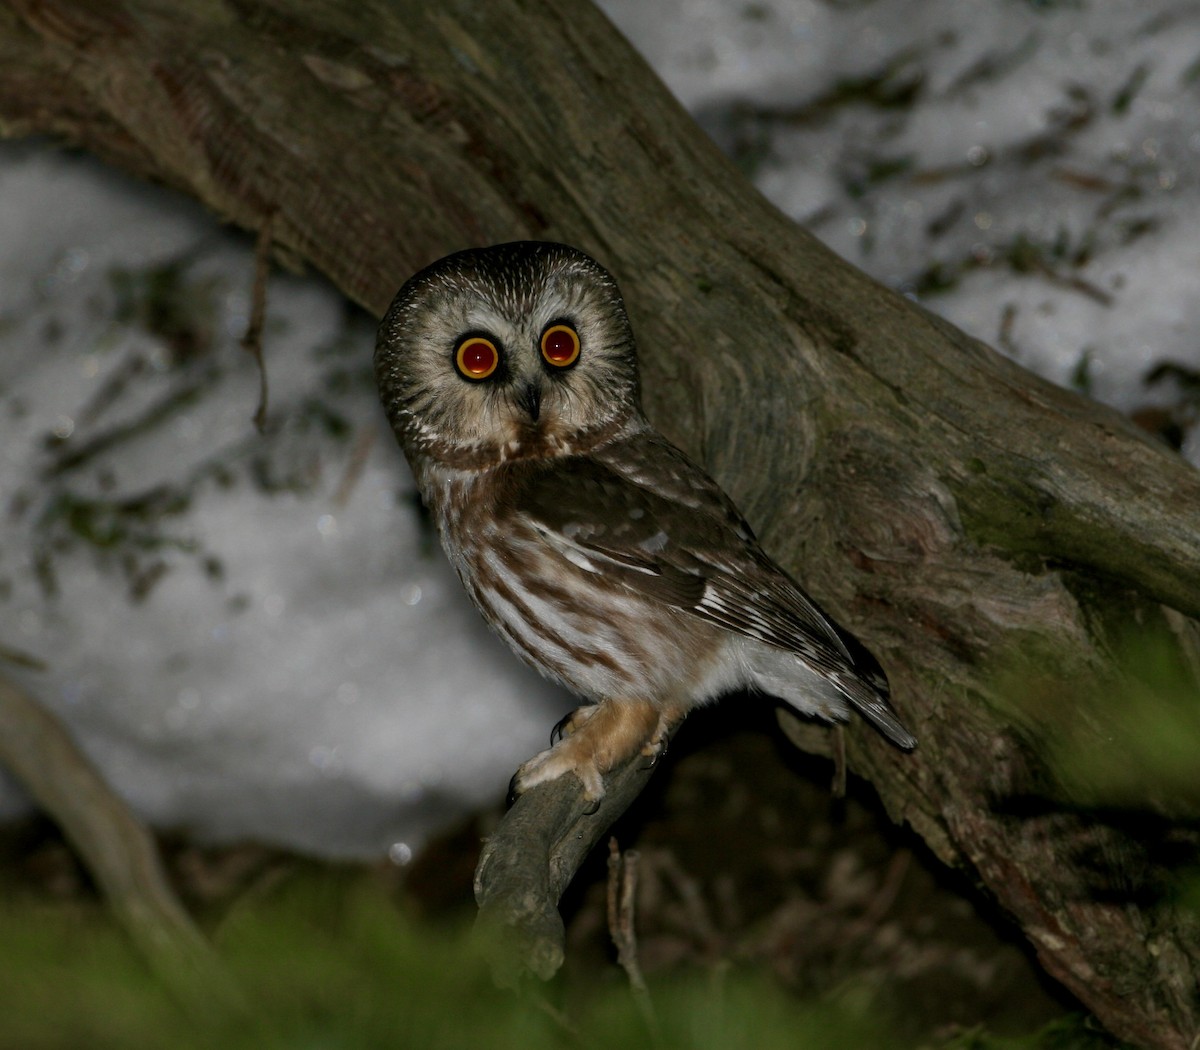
[607,559]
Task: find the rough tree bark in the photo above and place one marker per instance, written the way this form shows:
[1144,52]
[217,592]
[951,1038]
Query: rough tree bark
[976,526]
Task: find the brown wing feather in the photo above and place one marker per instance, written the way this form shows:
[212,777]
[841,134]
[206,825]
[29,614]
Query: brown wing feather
[693,552]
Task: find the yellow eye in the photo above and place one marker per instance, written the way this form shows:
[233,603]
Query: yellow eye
[476,357]
[560,345]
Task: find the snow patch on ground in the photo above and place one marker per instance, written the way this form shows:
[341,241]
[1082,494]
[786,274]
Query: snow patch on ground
[253,636]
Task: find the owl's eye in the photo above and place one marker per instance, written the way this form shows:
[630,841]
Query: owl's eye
[476,357]
[560,345]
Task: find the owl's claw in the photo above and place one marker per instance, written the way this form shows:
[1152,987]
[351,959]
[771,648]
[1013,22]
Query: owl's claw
[571,722]
[656,746]
[652,752]
[559,730]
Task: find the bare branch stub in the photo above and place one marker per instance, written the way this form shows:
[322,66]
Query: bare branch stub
[622,928]
[531,859]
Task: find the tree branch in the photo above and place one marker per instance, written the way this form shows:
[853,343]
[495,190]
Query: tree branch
[531,859]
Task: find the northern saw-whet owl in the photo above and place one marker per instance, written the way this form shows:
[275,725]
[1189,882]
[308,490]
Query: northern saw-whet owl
[606,558]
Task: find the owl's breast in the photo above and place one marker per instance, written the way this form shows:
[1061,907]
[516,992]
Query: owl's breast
[578,627]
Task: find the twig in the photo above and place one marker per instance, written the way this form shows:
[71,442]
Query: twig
[838,786]
[115,846]
[560,1020]
[252,340]
[883,899]
[696,912]
[622,895]
[20,658]
[1075,283]
[1004,337]
[893,879]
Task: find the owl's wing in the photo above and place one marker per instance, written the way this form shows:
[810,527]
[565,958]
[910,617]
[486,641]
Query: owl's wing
[691,550]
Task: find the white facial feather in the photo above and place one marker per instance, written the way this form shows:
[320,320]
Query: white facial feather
[438,412]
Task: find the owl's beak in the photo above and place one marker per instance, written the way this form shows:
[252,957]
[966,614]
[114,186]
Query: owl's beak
[530,399]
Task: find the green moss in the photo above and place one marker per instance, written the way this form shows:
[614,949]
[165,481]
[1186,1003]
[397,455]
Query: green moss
[330,962]
[1124,741]
[170,304]
[1073,1032]
[1139,740]
[1191,74]
[1129,90]
[111,523]
[1081,374]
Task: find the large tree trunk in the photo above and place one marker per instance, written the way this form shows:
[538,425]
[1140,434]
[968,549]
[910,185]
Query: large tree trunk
[988,535]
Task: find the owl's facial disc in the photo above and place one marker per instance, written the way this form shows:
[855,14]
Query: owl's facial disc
[523,381]
[497,353]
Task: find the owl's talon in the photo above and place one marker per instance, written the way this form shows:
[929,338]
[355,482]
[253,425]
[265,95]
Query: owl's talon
[557,733]
[653,751]
[571,723]
[656,746]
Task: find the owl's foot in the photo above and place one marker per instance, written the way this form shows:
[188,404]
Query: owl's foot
[596,738]
[656,746]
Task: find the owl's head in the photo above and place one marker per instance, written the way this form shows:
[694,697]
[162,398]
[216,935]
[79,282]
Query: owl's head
[520,349]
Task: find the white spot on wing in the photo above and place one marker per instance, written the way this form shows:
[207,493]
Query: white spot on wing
[655,543]
[576,557]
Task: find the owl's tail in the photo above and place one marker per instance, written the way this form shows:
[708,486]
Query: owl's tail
[828,695]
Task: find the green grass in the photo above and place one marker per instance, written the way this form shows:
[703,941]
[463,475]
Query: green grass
[331,962]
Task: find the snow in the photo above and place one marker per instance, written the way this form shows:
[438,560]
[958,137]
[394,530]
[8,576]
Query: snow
[275,649]
[255,636]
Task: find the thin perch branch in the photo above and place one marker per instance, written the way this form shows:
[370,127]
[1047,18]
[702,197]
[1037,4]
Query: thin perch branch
[532,857]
